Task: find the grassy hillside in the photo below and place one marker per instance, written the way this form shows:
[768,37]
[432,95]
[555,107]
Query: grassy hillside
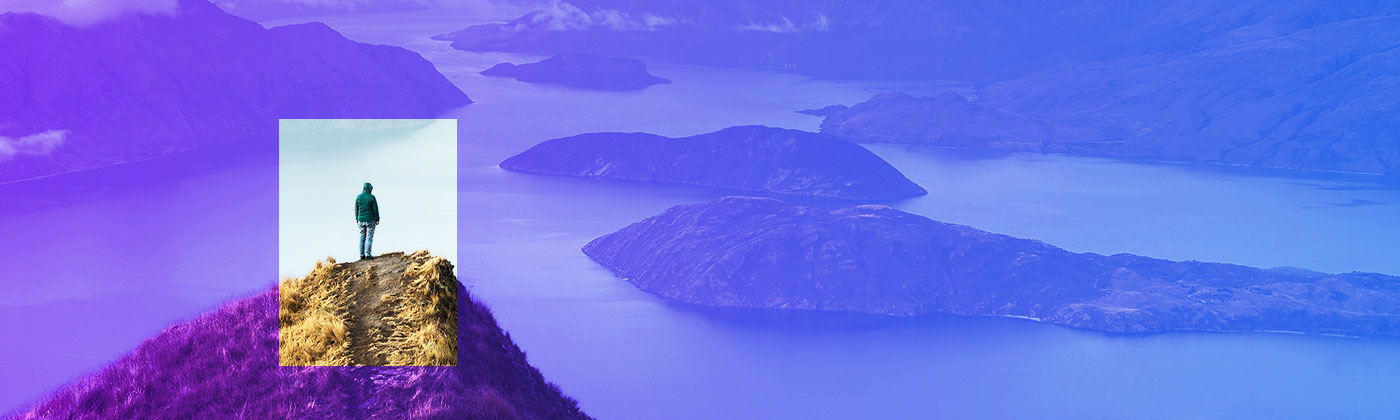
[224,364]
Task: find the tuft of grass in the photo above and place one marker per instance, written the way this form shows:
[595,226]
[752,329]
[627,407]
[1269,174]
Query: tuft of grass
[429,301]
[312,324]
[318,340]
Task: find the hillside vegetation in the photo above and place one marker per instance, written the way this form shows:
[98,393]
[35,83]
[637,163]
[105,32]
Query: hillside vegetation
[224,365]
[394,310]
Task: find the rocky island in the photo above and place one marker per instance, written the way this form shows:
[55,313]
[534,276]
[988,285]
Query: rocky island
[585,71]
[225,364]
[765,253]
[753,158]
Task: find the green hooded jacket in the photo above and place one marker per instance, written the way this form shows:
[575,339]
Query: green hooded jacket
[366,208]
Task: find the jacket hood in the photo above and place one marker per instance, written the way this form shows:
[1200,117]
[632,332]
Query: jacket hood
[368,187]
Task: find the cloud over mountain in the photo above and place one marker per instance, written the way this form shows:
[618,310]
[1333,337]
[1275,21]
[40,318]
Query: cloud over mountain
[87,12]
[40,143]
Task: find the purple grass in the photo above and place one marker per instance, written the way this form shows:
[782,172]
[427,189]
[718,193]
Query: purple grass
[223,365]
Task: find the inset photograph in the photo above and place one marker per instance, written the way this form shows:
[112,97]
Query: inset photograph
[376,286]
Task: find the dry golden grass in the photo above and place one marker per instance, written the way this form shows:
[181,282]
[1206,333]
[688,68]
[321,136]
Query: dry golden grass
[428,304]
[396,310]
[312,328]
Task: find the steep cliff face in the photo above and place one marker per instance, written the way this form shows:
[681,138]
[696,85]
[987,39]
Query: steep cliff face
[225,364]
[586,71]
[758,252]
[752,158]
[148,85]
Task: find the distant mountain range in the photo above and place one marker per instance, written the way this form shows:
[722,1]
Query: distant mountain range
[765,253]
[1326,97]
[969,40]
[1303,84]
[148,85]
[753,158]
[1323,98]
[261,10]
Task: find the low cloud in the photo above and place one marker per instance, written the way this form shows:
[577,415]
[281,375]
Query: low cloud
[347,5]
[785,25]
[32,145]
[87,12]
[562,16]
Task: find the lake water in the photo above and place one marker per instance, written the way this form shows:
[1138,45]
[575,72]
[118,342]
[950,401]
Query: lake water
[625,354]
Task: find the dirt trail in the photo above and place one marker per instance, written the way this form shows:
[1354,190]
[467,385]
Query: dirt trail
[395,309]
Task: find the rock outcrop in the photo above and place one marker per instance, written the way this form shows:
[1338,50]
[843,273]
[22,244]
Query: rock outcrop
[585,71]
[754,158]
[764,253]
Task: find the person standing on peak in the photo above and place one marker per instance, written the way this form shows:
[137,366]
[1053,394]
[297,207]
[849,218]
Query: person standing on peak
[367,216]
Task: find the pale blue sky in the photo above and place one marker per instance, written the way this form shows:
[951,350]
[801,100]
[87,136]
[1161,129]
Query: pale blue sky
[323,164]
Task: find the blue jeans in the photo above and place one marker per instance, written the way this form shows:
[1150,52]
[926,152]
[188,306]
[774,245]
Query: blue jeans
[366,237]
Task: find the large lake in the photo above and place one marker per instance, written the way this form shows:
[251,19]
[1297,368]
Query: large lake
[625,354]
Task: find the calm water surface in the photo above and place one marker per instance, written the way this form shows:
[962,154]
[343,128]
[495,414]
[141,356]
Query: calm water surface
[625,354]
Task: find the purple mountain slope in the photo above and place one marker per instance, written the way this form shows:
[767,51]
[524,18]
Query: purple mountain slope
[760,252]
[143,86]
[583,71]
[754,158]
[224,365]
